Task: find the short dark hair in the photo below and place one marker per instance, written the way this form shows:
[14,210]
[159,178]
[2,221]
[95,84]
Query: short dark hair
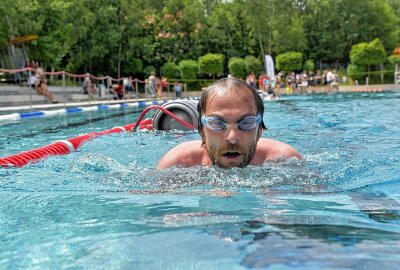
[229,84]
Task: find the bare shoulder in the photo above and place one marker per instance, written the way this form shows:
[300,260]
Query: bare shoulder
[185,154]
[268,149]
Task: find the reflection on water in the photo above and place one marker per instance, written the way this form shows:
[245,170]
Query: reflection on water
[106,204]
[322,246]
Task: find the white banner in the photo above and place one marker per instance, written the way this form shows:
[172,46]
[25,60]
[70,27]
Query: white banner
[269,67]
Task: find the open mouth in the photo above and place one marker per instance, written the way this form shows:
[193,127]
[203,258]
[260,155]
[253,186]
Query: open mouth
[231,154]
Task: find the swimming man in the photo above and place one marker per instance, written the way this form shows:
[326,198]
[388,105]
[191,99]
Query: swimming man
[230,125]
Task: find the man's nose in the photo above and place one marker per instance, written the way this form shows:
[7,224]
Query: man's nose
[233,134]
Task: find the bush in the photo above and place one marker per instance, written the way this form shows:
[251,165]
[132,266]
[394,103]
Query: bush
[309,65]
[188,69]
[237,67]
[356,72]
[171,70]
[368,54]
[212,64]
[394,59]
[253,65]
[290,61]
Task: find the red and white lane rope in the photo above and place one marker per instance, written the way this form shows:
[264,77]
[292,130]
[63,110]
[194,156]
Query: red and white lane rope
[63,147]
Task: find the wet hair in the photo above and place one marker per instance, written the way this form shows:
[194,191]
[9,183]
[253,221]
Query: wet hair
[228,85]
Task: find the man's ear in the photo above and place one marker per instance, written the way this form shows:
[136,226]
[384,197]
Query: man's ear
[259,132]
[203,139]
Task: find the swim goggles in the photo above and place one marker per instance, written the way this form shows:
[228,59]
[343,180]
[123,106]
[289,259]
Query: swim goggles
[216,123]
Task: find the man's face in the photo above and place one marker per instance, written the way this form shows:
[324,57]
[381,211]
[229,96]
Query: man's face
[231,147]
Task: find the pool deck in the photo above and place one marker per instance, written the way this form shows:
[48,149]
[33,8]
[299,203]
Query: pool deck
[21,98]
[14,98]
[344,89]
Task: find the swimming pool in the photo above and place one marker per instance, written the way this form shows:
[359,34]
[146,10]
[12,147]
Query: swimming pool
[105,206]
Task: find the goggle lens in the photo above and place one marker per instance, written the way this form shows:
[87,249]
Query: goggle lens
[216,123]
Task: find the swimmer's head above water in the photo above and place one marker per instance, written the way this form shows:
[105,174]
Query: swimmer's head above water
[230,125]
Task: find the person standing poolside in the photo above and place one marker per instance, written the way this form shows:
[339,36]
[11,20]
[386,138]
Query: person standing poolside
[152,85]
[89,88]
[330,78]
[159,90]
[261,80]
[128,86]
[230,125]
[251,80]
[318,78]
[178,89]
[163,86]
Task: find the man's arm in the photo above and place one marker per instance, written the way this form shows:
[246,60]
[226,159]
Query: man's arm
[170,159]
[186,154]
[268,149]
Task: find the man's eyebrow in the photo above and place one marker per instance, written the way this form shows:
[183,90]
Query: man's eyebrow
[215,115]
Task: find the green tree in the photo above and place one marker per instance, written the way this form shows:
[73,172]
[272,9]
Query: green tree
[309,65]
[253,65]
[356,72]
[228,32]
[259,18]
[289,34]
[188,69]
[135,66]
[333,26]
[237,67]
[55,32]
[78,56]
[96,35]
[171,70]
[106,36]
[212,64]
[368,54]
[177,28]
[17,19]
[276,25]
[395,7]
[290,61]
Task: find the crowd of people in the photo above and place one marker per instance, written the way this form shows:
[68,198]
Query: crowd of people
[156,87]
[327,80]
[304,82]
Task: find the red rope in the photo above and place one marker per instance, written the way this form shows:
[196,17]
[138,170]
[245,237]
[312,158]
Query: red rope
[170,114]
[61,148]
[66,73]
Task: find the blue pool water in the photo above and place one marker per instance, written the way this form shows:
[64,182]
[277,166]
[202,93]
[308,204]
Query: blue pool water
[106,207]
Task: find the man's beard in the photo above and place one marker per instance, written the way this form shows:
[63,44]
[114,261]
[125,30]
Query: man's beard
[215,154]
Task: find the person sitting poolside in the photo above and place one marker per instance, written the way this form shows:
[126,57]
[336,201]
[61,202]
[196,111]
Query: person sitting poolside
[41,86]
[230,125]
[32,81]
